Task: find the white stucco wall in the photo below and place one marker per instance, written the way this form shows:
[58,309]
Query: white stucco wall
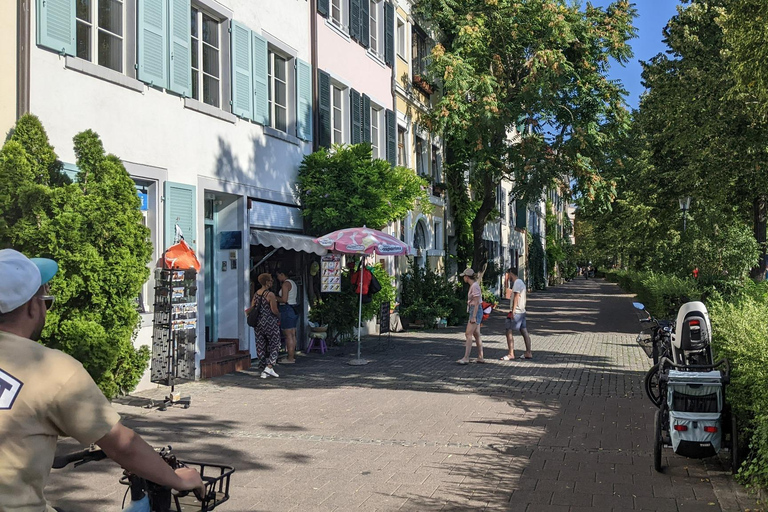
[153,128]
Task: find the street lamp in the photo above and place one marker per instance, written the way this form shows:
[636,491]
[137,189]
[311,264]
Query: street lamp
[685,205]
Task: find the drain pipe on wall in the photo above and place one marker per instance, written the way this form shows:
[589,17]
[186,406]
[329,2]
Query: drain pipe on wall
[313,63]
[22,57]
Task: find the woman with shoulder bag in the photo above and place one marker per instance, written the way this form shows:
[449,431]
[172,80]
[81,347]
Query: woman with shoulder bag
[265,315]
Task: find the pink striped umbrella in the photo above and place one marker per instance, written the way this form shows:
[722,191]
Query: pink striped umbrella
[363,241]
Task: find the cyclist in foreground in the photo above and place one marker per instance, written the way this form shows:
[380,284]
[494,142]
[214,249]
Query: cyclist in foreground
[45,394]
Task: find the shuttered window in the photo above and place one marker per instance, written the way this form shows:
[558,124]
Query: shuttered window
[354,19]
[56,25]
[242,95]
[337,108]
[521,214]
[180,38]
[356,135]
[389,34]
[375,136]
[153,43]
[278,92]
[391,127]
[324,109]
[260,68]
[205,48]
[303,100]
[180,209]
[366,110]
[322,7]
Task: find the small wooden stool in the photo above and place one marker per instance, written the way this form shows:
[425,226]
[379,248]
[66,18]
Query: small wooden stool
[320,338]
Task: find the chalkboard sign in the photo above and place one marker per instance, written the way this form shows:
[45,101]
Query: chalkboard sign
[384,318]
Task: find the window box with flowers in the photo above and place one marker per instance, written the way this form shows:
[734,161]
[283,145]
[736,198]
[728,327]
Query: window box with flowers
[421,84]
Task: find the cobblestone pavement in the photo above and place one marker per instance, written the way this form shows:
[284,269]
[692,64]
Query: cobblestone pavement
[568,430]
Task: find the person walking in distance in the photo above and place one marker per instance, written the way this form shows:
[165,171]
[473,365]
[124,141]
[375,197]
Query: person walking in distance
[474,298]
[287,302]
[267,329]
[516,317]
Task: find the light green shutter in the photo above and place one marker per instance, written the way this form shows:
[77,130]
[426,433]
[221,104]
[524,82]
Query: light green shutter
[56,25]
[242,90]
[179,34]
[260,80]
[391,123]
[180,208]
[303,100]
[355,117]
[153,43]
[324,109]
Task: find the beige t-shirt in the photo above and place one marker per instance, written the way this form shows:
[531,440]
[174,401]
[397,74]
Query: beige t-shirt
[44,394]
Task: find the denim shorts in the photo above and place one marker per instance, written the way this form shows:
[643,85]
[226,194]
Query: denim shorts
[515,323]
[288,317]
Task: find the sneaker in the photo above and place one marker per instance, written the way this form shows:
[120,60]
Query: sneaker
[263,375]
[270,371]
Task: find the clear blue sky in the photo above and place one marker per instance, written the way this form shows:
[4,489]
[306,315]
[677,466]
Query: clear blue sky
[652,16]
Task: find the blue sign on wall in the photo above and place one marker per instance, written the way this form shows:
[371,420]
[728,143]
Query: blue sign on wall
[144,201]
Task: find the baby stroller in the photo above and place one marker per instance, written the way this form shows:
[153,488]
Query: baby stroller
[693,417]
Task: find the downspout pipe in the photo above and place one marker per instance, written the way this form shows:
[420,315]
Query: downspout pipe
[22,57]
[313,63]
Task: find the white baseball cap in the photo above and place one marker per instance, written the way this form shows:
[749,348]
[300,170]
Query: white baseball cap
[21,277]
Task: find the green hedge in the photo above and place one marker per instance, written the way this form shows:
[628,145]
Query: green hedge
[739,314]
[740,333]
[662,294]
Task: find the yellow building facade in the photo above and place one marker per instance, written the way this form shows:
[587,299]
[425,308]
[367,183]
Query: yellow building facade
[418,149]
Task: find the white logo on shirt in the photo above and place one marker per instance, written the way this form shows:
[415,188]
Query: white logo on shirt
[9,390]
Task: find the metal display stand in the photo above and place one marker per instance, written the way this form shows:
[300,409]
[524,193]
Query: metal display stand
[175,333]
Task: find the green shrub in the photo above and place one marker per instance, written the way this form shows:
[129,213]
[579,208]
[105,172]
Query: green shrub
[740,333]
[339,311]
[426,296]
[93,229]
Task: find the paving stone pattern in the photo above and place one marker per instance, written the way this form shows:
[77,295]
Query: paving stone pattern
[568,430]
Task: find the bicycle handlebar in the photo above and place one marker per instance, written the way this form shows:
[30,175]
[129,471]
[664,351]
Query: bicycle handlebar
[81,457]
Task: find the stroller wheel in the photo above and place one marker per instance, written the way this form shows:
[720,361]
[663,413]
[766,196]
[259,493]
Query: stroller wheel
[658,443]
[735,462]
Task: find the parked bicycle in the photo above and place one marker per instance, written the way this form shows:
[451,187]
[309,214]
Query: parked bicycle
[148,496]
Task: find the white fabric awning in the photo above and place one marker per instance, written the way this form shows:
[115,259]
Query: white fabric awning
[300,243]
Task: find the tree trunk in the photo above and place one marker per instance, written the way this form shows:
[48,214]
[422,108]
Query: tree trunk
[479,256]
[760,206]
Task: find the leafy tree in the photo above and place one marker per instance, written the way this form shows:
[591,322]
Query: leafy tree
[93,229]
[537,68]
[343,187]
[705,142]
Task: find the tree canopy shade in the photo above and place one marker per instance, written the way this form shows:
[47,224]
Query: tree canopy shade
[343,187]
[93,229]
[524,95]
[705,141]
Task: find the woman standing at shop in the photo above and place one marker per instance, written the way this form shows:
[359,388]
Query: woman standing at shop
[288,318]
[268,326]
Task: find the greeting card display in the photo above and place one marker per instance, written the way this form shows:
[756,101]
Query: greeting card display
[330,273]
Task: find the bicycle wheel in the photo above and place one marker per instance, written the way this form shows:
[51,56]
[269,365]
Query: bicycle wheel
[652,385]
[658,442]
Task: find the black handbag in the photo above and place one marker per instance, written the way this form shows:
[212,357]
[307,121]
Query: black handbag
[254,314]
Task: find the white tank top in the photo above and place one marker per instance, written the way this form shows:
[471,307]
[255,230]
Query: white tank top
[291,294]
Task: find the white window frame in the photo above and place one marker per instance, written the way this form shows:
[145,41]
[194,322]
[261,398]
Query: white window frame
[402,38]
[95,29]
[374,42]
[272,79]
[438,235]
[421,156]
[340,6]
[339,111]
[376,140]
[200,44]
